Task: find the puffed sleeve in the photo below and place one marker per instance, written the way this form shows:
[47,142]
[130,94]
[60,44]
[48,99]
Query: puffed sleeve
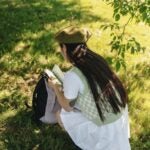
[71,85]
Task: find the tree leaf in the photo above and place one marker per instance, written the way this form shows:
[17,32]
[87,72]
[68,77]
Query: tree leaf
[132,50]
[117,17]
[142,9]
[118,65]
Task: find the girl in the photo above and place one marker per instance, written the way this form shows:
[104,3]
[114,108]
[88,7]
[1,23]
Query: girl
[94,101]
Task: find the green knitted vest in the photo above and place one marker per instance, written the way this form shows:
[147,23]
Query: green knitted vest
[87,104]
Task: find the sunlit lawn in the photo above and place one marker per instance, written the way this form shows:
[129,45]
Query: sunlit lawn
[27,46]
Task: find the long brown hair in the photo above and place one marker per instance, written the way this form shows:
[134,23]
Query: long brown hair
[98,74]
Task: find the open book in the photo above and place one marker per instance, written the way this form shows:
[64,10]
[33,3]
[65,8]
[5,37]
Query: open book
[55,74]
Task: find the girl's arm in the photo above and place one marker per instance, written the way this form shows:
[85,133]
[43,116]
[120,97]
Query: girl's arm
[64,103]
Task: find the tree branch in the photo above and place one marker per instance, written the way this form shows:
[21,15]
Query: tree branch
[125,26]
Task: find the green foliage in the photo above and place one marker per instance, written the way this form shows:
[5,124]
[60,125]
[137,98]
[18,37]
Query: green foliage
[138,10]
[120,45]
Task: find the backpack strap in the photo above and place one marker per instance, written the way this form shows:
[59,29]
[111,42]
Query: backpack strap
[39,100]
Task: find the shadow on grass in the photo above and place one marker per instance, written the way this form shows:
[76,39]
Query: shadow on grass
[22,134]
[137,85]
[142,142]
[35,22]
[137,76]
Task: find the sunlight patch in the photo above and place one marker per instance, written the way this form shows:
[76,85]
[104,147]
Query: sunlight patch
[20,46]
[9,113]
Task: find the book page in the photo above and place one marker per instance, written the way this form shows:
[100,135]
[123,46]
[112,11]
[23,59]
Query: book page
[52,76]
[58,73]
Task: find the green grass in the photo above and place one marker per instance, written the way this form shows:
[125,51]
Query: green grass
[27,46]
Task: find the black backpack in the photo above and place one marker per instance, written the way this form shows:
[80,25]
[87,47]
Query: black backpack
[44,102]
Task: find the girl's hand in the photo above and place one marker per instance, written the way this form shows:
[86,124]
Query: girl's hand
[52,83]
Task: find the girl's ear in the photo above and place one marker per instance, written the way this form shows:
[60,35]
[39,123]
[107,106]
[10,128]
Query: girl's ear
[64,48]
[64,51]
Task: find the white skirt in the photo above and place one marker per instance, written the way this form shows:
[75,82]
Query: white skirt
[89,136]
